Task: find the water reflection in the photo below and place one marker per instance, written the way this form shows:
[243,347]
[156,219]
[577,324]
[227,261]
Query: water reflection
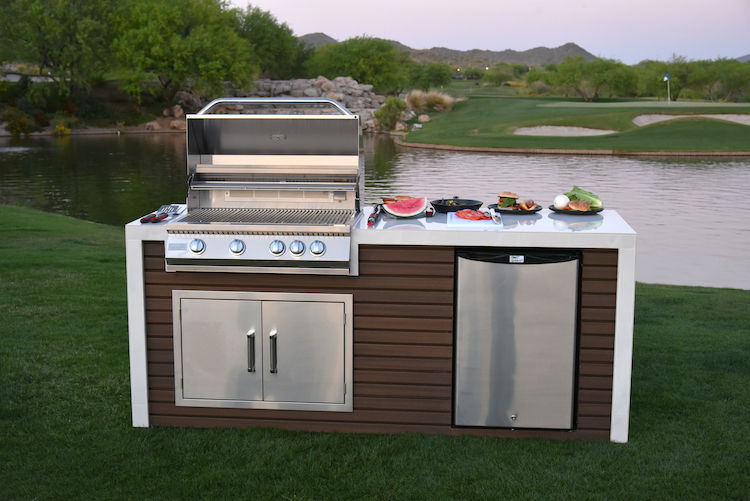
[510,221]
[577,223]
[690,214]
[107,179]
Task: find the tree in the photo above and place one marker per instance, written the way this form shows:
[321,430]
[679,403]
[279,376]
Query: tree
[589,80]
[679,75]
[651,78]
[473,73]
[367,60]
[428,75]
[733,78]
[190,45]
[498,74]
[280,55]
[67,39]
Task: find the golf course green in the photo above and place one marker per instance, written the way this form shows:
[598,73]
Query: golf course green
[490,122]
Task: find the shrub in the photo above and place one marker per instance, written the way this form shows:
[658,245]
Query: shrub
[417,100]
[438,102]
[473,73]
[429,75]
[18,122]
[63,123]
[390,113]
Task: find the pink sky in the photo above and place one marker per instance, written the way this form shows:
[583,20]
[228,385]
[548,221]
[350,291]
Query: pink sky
[629,31]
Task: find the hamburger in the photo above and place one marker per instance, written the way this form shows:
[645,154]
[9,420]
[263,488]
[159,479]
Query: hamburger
[506,199]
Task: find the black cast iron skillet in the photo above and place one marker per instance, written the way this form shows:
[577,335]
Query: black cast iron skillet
[455,204]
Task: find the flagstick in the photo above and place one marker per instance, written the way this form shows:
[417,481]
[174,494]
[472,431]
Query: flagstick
[668,97]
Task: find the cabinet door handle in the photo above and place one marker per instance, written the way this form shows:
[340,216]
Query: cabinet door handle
[274,356]
[251,350]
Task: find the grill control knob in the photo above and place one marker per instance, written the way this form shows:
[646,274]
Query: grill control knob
[277,247]
[237,247]
[297,247]
[317,248]
[197,246]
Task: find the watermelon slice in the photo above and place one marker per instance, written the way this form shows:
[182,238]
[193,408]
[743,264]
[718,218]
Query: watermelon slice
[406,208]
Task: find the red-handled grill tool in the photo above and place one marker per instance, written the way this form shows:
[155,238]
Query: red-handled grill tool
[372,220]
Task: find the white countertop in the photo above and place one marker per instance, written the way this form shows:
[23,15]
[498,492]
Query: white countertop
[543,229]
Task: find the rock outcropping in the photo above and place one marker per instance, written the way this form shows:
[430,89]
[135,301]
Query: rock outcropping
[356,97]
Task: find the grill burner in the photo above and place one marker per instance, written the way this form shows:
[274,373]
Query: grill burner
[311,217]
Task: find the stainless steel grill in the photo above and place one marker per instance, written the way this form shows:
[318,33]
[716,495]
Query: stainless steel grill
[269,190]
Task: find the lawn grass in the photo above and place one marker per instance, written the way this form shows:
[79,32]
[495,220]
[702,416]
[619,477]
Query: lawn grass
[466,88]
[65,429]
[490,122]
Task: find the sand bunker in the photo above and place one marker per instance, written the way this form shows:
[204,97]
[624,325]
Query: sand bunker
[554,130]
[642,120]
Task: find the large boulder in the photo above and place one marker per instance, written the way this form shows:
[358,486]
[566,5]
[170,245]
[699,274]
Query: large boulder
[175,111]
[325,85]
[358,98]
[152,125]
[311,92]
[188,101]
[178,124]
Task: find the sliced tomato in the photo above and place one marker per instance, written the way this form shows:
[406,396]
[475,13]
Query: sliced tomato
[473,215]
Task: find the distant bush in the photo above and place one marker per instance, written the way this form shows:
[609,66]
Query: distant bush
[390,113]
[420,101]
[438,101]
[429,75]
[498,74]
[537,88]
[18,122]
[63,123]
[417,100]
[473,73]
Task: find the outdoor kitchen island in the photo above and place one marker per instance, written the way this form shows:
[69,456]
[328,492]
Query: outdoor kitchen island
[395,354]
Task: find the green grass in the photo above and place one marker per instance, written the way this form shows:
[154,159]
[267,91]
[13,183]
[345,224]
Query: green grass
[490,122]
[65,428]
[466,88]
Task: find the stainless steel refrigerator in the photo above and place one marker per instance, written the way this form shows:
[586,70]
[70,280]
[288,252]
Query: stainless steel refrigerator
[516,330]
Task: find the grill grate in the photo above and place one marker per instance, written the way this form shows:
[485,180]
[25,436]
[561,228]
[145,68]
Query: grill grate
[312,217]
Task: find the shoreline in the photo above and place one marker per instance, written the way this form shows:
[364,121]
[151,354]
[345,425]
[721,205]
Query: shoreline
[397,137]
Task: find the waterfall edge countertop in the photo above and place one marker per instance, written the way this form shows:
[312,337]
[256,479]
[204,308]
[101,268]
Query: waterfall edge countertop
[605,230]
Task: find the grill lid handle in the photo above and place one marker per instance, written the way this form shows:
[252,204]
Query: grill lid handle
[266,101]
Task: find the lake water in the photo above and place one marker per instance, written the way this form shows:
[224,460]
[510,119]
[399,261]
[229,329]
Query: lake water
[692,220]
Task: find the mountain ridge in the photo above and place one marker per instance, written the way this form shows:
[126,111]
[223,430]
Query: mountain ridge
[537,56]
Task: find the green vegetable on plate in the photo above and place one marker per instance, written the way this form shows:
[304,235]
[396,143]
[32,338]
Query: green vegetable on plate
[580,194]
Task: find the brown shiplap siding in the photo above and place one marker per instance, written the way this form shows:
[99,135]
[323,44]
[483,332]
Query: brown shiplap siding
[403,344]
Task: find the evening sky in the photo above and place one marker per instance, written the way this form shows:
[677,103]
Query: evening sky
[629,31]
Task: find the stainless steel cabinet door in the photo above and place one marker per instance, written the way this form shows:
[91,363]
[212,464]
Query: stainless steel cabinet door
[303,351]
[220,340]
[515,344]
